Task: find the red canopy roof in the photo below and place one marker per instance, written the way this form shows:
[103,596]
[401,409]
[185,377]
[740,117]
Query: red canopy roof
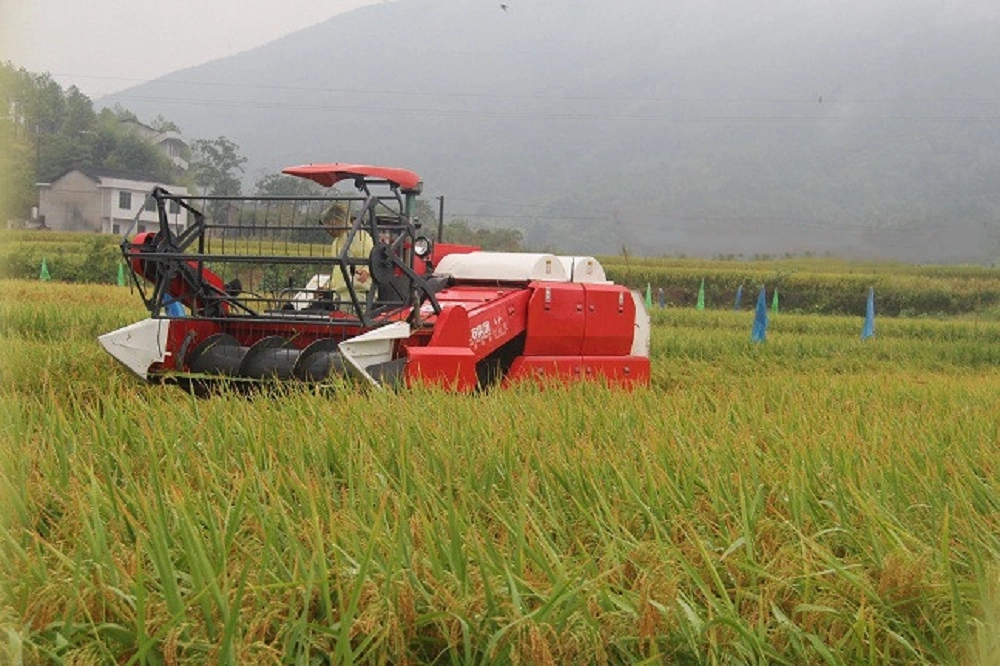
[329,174]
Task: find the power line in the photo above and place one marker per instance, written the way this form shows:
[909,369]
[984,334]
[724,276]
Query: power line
[805,99]
[446,113]
[526,217]
[499,203]
[915,228]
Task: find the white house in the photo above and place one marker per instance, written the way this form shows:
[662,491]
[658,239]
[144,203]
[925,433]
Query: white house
[104,203]
[169,142]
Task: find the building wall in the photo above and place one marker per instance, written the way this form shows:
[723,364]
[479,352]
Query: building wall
[120,219]
[71,204]
[75,202]
[173,146]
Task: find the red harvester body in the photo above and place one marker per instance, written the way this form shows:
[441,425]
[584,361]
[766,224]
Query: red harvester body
[243,291]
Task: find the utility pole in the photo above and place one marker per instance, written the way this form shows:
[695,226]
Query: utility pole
[440,218]
[37,211]
[38,153]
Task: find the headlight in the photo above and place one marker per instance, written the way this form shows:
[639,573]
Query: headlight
[421,246]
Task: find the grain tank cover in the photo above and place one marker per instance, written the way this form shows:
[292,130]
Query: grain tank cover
[586,270]
[503,267]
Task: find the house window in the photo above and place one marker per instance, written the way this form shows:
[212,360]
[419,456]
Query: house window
[125,200]
[140,229]
[174,208]
[116,228]
[150,204]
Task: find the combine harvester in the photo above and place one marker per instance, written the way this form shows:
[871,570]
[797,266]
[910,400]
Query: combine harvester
[243,291]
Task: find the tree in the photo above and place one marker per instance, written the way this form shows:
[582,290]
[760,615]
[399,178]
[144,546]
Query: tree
[45,131]
[494,240]
[117,149]
[427,216]
[161,124]
[295,213]
[123,114]
[17,147]
[78,118]
[280,185]
[215,166]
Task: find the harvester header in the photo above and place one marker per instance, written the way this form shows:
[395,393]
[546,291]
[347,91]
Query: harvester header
[249,290]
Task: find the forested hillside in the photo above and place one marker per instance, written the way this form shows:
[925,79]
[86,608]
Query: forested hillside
[713,128]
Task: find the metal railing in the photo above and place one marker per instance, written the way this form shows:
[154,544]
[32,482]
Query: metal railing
[278,257]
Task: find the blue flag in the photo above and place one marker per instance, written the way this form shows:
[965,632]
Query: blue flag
[173,308]
[759,333]
[739,297]
[869,328]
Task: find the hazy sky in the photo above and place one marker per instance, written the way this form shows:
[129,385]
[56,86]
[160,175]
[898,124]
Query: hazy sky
[102,46]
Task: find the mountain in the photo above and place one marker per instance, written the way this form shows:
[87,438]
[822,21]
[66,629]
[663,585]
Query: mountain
[703,127]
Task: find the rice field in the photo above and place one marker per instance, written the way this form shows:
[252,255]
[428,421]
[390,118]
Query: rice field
[811,500]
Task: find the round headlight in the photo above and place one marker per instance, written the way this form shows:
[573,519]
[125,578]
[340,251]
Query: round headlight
[421,246]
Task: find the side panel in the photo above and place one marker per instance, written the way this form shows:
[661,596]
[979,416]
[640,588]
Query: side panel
[619,370]
[556,319]
[492,318]
[448,359]
[495,322]
[450,367]
[610,321]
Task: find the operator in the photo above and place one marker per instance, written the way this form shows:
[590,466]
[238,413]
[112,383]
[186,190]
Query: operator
[337,219]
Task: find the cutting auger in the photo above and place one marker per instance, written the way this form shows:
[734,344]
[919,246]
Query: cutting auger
[251,290]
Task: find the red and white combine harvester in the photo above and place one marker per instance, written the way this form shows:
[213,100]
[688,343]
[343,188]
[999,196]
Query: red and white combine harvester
[243,291]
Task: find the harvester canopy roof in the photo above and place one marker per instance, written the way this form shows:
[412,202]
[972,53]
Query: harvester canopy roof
[330,174]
